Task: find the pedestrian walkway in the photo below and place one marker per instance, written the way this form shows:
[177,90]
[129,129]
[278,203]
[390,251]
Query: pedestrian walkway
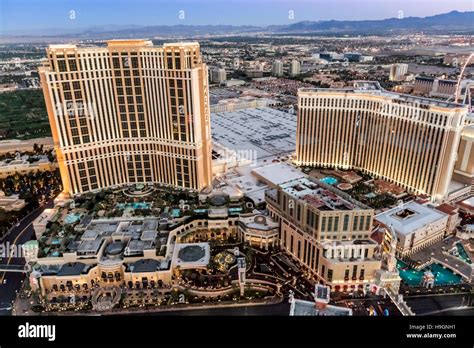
[438,253]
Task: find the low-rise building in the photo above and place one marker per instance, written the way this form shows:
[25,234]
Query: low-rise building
[11,203]
[417,226]
[127,253]
[258,230]
[41,222]
[22,166]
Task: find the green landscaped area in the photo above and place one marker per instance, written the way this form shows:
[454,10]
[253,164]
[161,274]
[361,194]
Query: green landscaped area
[23,115]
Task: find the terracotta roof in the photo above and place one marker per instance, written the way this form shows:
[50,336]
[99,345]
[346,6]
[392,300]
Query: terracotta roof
[447,208]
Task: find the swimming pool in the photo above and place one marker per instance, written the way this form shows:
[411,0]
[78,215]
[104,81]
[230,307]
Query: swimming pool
[462,253]
[137,205]
[412,277]
[444,276]
[329,180]
[175,212]
[235,210]
[409,275]
[72,218]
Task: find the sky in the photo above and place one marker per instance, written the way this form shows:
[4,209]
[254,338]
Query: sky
[25,16]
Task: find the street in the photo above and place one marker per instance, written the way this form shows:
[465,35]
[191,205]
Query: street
[11,282]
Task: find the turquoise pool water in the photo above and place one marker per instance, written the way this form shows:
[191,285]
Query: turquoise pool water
[462,253]
[329,180]
[72,218]
[200,211]
[55,241]
[175,212]
[235,210]
[409,275]
[444,276]
[371,195]
[414,278]
[137,205]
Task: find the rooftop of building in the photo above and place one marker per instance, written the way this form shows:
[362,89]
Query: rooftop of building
[318,195]
[374,88]
[191,255]
[89,246]
[447,209]
[309,308]
[73,268]
[255,133]
[278,173]
[467,204]
[258,222]
[429,78]
[127,43]
[148,265]
[410,217]
[138,246]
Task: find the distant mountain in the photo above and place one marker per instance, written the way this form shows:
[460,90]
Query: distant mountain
[448,22]
[452,22]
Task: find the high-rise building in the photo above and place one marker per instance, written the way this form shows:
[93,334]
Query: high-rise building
[277,68]
[406,140]
[464,167]
[295,68]
[218,75]
[437,87]
[398,72]
[129,113]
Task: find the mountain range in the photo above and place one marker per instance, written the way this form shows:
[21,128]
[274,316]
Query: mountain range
[447,23]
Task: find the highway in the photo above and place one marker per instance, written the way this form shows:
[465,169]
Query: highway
[10,282]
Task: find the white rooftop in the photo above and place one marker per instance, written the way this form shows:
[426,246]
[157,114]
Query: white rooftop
[255,132]
[278,173]
[191,255]
[308,308]
[409,217]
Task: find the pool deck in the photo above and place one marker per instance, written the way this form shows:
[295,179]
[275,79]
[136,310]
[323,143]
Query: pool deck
[436,254]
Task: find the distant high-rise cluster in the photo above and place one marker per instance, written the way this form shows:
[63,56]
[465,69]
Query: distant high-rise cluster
[409,141]
[218,75]
[398,72]
[129,113]
[277,68]
[295,68]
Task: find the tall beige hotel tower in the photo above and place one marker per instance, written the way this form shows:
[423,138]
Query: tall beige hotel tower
[129,113]
[410,141]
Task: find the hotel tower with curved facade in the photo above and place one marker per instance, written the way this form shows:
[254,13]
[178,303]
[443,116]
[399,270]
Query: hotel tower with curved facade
[406,140]
[129,113]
